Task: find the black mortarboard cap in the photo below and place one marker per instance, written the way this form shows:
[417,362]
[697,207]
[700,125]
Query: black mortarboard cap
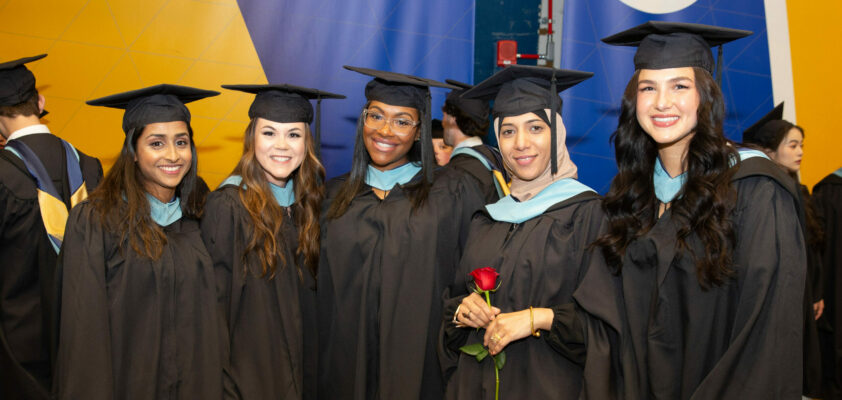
[662,45]
[762,131]
[17,83]
[287,103]
[159,103]
[404,90]
[475,108]
[521,89]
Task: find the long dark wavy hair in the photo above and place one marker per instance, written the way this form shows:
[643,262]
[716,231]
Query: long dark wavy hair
[770,143]
[266,243]
[707,198]
[421,152]
[121,204]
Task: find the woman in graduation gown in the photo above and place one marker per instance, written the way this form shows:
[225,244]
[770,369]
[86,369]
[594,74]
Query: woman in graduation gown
[138,310]
[783,142]
[538,239]
[706,237]
[261,228]
[391,237]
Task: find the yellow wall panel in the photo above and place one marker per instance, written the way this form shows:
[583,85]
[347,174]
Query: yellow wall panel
[121,78]
[156,68]
[185,28]
[221,151]
[74,70]
[229,47]
[100,47]
[815,70]
[14,46]
[61,111]
[95,25]
[96,131]
[42,18]
[132,17]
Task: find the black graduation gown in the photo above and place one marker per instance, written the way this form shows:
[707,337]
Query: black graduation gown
[270,322]
[543,262]
[382,272]
[133,328]
[827,196]
[812,294]
[476,169]
[27,278]
[740,340]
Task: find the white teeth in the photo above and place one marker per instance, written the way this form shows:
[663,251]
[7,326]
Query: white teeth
[384,145]
[281,158]
[170,169]
[666,119]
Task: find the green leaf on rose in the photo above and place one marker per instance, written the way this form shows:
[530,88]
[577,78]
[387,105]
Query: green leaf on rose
[499,360]
[473,349]
[481,356]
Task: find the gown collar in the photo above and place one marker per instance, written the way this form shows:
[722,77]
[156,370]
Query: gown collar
[469,142]
[164,214]
[386,180]
[838,172]
[285,196]
[667,188]
[508,209]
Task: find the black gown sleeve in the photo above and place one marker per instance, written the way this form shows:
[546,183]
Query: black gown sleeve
[84,371]
[566,335]
[218,229]
[766,338]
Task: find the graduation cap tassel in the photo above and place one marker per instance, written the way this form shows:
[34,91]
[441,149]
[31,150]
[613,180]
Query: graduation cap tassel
[719,66]
[554,106]
[319,128]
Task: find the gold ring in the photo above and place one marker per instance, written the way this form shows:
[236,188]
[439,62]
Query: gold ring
[495,337]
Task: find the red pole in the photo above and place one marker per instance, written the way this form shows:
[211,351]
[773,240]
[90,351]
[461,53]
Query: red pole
[550,18]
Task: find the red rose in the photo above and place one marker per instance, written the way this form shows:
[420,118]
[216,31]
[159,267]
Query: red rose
[485,278]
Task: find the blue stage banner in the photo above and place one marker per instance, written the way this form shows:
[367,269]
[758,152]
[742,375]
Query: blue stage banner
[306,43]
[591,109]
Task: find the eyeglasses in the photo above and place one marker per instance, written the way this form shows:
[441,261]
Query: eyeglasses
[399,126]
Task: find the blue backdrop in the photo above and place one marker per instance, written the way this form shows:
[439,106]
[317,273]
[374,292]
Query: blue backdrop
[306,43]
[591,108]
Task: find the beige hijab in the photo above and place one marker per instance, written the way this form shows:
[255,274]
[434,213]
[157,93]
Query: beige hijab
[525,190]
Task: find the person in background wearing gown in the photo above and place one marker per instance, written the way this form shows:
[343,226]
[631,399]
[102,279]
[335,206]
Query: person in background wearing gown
[441,149]
[707,238]
[41,178]
[261,228]
[538,239]
[827,198]
[138,297]
[392,234]
[783,143]
[465,122]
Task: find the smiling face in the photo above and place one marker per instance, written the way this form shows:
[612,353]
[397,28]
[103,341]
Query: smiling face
[280,148]
[387,149]
[163,155]
[667,104]
[525,142]
[790,151]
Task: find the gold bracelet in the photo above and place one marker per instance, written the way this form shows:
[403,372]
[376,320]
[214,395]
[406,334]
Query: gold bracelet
[532,323]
